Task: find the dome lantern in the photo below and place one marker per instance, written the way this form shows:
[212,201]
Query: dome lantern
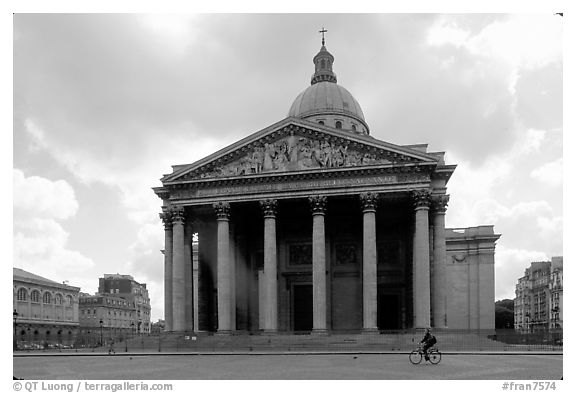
[326,102]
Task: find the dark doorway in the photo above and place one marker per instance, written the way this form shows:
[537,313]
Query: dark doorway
[388,311]
[302,307]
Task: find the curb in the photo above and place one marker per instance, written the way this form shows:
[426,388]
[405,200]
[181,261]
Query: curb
[281,353]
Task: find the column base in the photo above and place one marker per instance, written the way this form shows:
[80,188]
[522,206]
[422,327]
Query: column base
[370,331]
[319,332]
[269,332]
[223,333]
[201,332]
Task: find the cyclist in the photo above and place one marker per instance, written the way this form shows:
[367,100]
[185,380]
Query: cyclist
[428,341]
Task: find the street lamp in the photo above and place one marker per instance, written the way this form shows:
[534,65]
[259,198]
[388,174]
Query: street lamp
[28,337]
[101,326]
[140,331]
[125,340]
[15,316]
[139,327]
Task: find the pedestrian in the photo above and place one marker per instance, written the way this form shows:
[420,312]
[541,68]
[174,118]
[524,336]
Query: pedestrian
[111,350]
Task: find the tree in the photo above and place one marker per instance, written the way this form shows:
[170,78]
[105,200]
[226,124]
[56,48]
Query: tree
[504,314]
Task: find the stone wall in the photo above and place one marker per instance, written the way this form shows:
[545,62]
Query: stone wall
[470,277]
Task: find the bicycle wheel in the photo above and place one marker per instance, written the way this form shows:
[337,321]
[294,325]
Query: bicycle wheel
[415,357]
[435,357]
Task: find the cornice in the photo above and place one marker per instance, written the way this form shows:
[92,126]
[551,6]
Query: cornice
[393,153]
[417,168]
[45,285]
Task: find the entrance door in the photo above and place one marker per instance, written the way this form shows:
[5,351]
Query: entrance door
[388,311]
[302,307]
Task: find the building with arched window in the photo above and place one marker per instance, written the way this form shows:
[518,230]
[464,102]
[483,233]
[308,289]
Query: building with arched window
[47,311]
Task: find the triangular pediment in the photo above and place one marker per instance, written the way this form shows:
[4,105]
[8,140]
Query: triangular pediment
[295,145]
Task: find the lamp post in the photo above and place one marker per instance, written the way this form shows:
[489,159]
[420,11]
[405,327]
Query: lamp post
[139,328]
[15,316]
[101,337]
[28,337]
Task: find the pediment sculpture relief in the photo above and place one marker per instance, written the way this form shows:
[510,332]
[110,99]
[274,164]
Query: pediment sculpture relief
[294,153]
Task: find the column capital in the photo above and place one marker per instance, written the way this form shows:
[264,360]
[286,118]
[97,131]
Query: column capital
[318,204]
[178,215]
[440,202]
[420,198]
[166,217]
[269,207]
[369,200]
[222,210]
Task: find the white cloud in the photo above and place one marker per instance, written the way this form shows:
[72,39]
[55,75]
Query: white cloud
[133,175]
[41,245]
[149,242]
[551,233]
[476,190]
[444,32]
[530,142]
[470,186]
[40,241]
[550,173]
[37,196]
[175,30]
[509,267]
[522,40]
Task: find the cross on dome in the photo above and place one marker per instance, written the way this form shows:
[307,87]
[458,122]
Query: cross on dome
[323,31]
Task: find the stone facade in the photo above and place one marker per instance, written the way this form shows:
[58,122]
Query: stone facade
[538,305]
[303,226]
[470,277]
[124,286]
[47,310]
[118,315]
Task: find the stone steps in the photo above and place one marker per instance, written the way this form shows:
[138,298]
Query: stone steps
[330,342]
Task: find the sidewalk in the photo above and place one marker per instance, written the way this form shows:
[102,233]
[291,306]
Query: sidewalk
[88,352]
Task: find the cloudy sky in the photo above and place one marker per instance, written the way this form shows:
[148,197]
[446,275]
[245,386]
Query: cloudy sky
[104,104]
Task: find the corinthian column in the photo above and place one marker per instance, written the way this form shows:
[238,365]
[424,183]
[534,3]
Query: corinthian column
[318,204]
[439,204]
[178,271]
[421,260]
[369,262]
[270,295]
[223,267]
[166,217]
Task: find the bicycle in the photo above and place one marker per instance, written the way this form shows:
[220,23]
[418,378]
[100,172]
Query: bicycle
[434,355]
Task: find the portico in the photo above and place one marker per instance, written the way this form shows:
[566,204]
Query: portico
[310,224]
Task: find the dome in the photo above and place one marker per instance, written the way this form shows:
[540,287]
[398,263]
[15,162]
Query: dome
[326,102]
[326,97]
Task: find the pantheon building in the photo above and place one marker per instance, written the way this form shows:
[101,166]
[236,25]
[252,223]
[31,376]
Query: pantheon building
[313,225]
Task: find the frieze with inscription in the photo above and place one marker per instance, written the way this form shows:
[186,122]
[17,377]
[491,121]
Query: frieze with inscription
[292,153]
[202,190]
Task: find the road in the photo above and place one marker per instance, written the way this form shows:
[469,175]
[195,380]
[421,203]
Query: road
[288,367]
